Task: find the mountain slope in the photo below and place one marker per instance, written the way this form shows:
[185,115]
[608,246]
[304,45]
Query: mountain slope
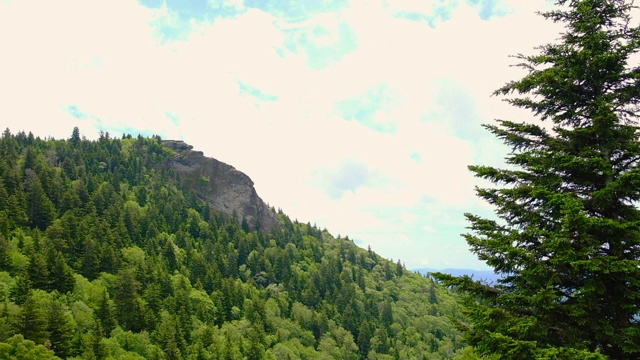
[108,251]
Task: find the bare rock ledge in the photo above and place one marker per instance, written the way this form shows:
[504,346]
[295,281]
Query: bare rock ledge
[224,188]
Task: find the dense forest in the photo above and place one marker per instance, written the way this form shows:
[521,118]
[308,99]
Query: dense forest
[103,255]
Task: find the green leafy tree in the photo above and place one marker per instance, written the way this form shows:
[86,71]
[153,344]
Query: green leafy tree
[17,347]
[568,238]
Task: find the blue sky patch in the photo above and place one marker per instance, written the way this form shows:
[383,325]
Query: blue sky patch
[177,25]
[294,10]
[457,107]
[76,113]
[172,27]
[489,8]
[443,11]
[154,4]
[440,11]
[175,119]
[183,12]
[255,92]
[413,16]
[194,9]
[370,110]
[323,45]
[349,176]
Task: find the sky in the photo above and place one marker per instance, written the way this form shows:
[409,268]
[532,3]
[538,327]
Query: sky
[359,116]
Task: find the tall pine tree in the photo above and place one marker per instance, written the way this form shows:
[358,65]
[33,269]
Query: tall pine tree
[568,238]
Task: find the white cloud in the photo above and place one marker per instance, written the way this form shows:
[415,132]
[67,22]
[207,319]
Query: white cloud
[429,229]
[108,61]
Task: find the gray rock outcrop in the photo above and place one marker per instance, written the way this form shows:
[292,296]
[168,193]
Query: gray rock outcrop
[224,188]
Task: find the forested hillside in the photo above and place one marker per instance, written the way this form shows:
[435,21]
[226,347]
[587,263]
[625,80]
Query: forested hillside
[104,256]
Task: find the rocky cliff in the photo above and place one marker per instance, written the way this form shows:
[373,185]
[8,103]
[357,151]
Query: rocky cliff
[224,188]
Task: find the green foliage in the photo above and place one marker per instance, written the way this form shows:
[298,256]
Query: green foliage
[17,348]
[568,238]
[104,256]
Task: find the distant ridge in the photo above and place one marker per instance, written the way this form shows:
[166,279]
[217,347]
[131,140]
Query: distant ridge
[486,275]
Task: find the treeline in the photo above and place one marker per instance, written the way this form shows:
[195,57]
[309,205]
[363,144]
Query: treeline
[103,256]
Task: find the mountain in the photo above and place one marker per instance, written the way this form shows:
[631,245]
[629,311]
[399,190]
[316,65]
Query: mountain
[139,248]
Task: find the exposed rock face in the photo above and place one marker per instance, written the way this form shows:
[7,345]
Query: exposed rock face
[224,188]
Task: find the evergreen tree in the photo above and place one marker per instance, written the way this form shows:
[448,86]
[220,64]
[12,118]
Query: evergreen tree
[59,328]
[433,297]
[255,348]
[129,306]
[364,338]
[7,329]
[31,321]
[38,271]
[61,275]
[568,238]
[75,137]
[386,313]
[21,288]
[105,314]
[382,340]
[169,337]
[40,209]
[96,348]
[399,268]
[5,260]
[8,147]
